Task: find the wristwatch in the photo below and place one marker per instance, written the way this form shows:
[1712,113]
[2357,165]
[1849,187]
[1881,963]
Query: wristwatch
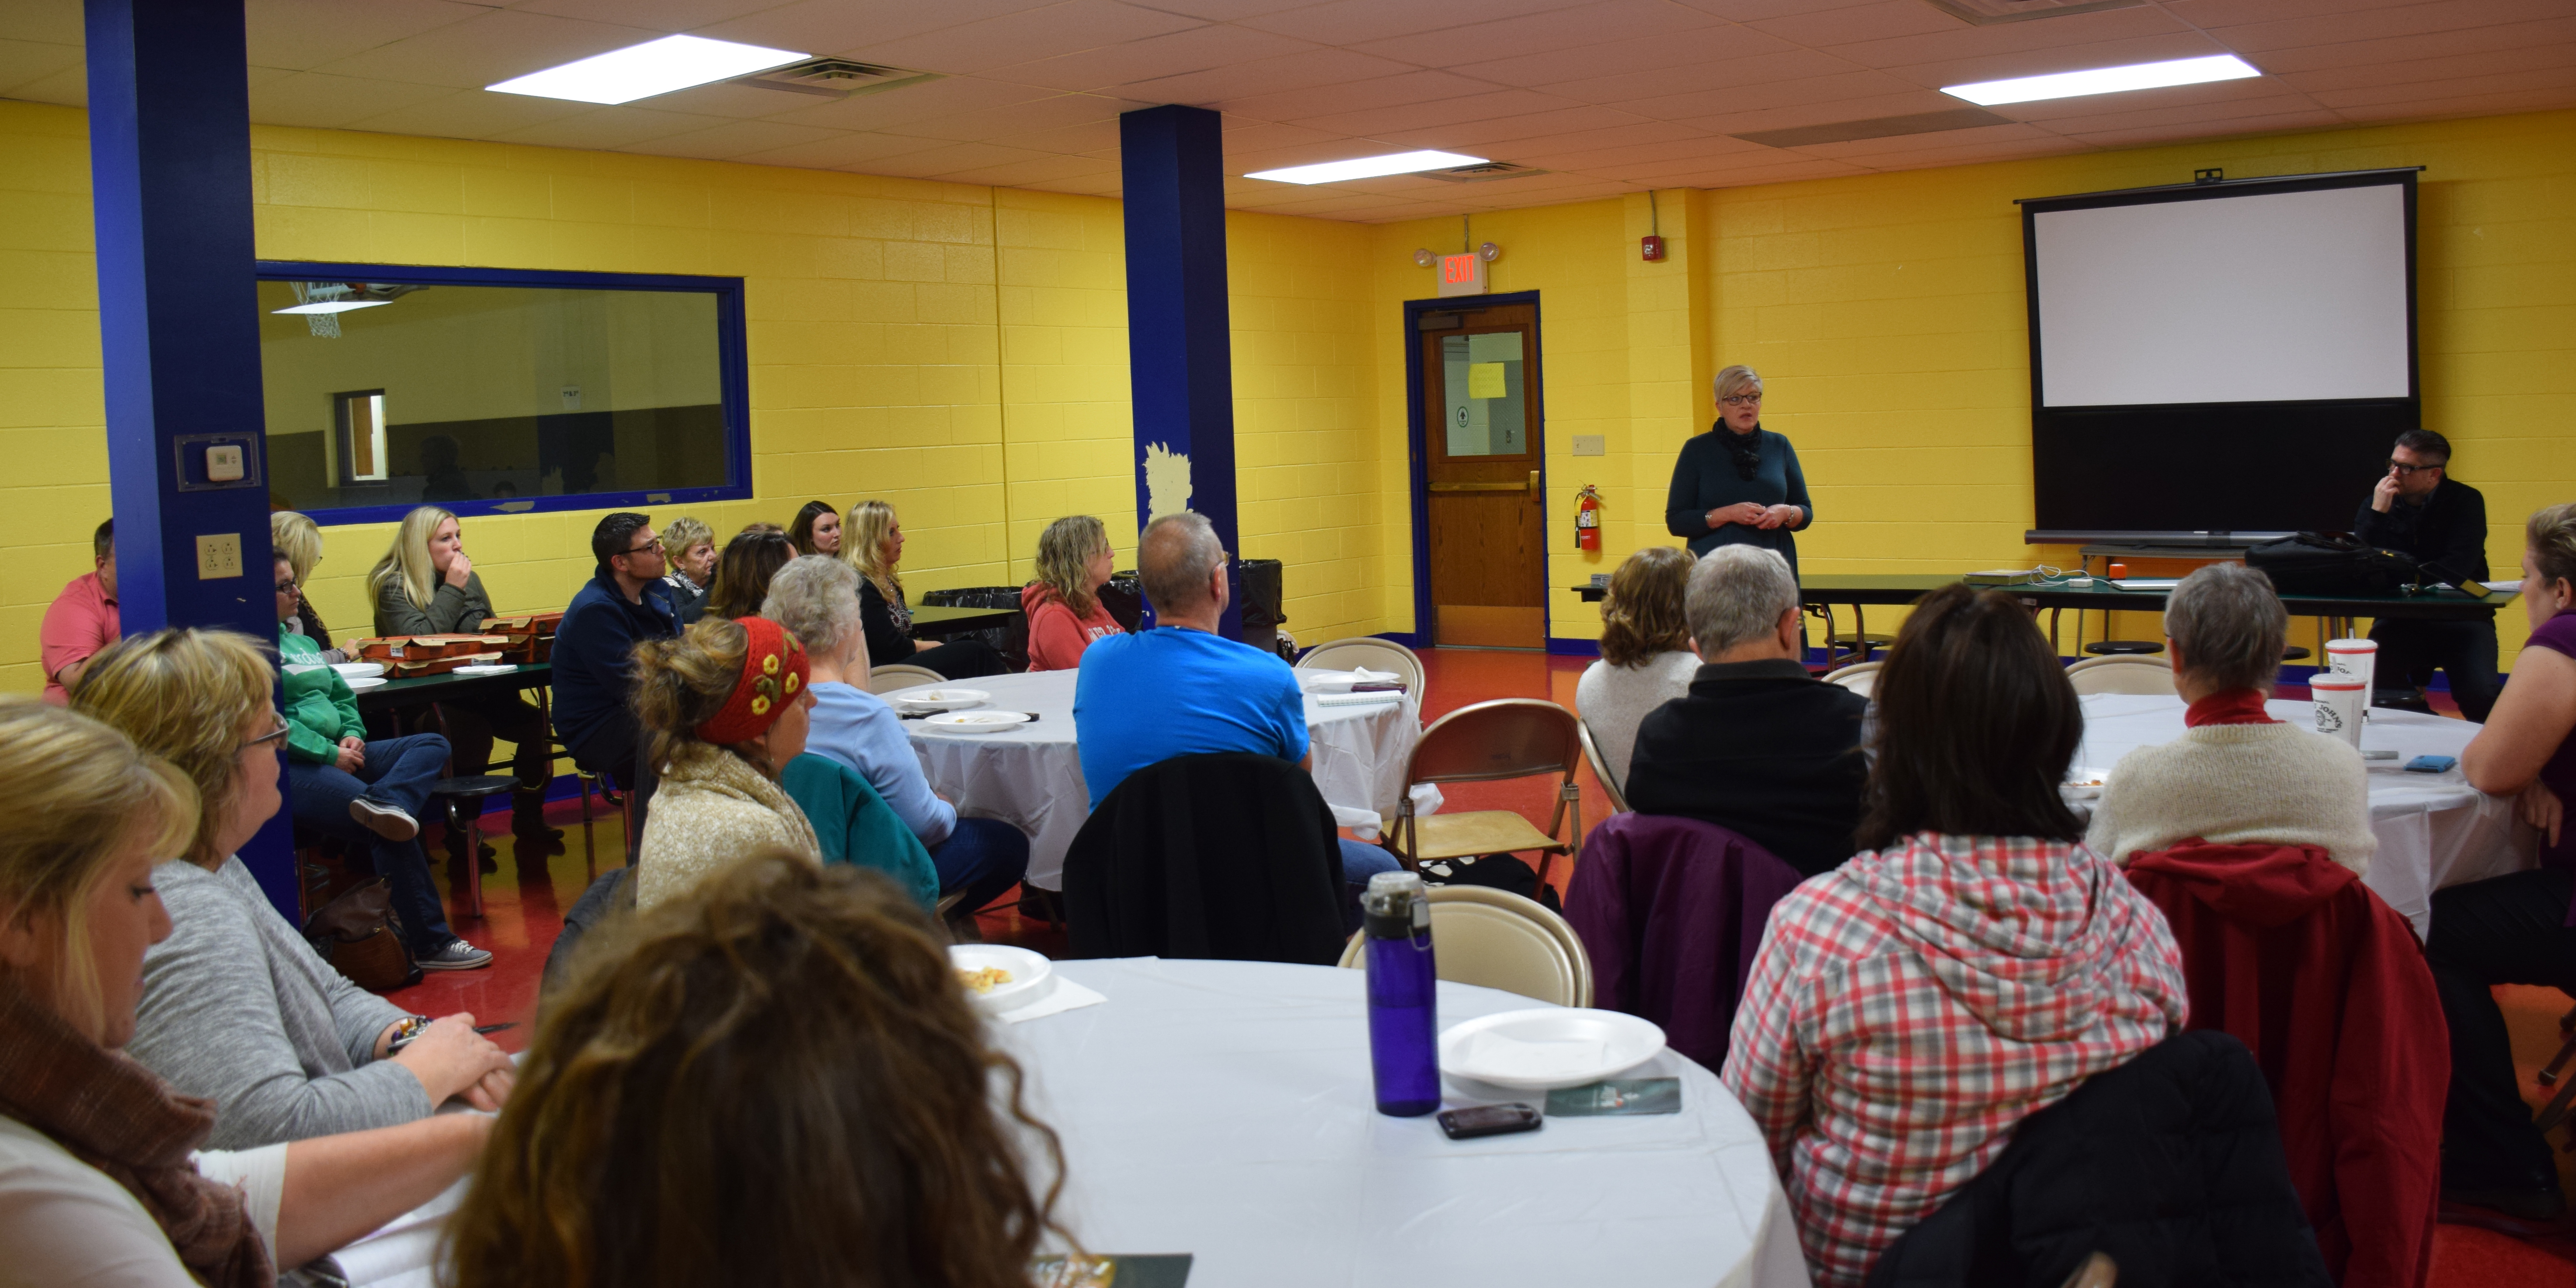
[405,1033]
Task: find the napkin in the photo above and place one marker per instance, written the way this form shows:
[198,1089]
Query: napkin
[1341,681]
[1065,996]
[1488,1053]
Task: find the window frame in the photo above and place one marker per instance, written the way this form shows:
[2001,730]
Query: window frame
[733,378]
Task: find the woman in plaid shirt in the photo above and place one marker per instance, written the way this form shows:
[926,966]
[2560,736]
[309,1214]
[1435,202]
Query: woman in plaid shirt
[1972,964]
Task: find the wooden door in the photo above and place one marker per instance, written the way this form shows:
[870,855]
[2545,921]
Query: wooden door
[1483,456]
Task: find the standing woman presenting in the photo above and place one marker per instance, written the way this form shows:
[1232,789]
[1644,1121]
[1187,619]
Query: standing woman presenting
[1739,484]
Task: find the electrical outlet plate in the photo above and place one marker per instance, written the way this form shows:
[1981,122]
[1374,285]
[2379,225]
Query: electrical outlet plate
[1591,445]
[219,554]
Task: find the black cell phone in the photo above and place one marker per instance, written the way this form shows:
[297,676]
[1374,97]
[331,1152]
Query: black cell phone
[1489,1120]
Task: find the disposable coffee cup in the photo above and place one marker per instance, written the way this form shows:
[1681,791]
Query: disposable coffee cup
[2341,699]
[2354,657]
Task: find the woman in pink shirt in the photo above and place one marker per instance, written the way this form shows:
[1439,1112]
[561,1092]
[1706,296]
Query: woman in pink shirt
[1063,604]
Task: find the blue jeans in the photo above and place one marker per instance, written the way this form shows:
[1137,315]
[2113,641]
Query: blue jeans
[983,857]
[1360,861]
[397,773]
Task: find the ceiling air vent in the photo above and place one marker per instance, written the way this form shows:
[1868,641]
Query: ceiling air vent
[836,78]
[1484,173]
[1987,12]
[1876,127]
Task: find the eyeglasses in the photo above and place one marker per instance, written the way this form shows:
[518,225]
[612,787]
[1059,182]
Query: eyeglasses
[2405,470]
[655,545]
[286,588]
[277,734]
[1742,400]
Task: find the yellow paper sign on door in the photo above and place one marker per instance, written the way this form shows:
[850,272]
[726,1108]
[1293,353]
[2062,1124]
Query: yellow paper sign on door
[1484,380]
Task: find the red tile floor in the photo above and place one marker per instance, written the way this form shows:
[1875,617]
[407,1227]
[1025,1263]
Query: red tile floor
[525,899]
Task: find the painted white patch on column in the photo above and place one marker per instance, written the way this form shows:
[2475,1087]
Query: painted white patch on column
[1167,481]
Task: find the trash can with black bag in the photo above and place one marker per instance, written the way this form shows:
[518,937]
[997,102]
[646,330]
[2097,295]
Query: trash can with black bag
[1011,641]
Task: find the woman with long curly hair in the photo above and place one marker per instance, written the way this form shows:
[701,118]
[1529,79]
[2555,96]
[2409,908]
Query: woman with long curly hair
[1646,658]
[776,1081]
[1063,604]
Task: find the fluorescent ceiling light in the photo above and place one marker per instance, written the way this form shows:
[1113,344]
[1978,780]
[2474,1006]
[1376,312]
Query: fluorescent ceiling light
[642,71]
[2105,80]
[332,306]
[1366,167]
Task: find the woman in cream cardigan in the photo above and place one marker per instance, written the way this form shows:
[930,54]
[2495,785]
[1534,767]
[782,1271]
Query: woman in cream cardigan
[726,708]
[2236,774]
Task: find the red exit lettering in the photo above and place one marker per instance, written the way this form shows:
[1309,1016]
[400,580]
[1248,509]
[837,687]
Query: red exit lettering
[1458,268]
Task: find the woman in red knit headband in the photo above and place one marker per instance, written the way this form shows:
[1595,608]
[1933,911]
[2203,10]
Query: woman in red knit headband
[724,705]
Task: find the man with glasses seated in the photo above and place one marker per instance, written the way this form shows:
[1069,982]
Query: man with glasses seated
[2420,509]
[624,603]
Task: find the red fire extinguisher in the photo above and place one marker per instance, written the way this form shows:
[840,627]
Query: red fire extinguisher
[1587,519]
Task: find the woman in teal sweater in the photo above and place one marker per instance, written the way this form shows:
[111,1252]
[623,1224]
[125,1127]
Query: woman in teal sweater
[367,792]
[1739,484]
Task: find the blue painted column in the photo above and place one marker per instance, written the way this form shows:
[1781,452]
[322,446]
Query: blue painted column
[1180,342]
[169,128]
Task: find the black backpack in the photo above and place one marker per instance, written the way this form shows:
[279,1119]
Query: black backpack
[2332,563]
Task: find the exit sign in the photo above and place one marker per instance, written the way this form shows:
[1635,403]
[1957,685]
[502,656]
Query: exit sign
[1462,274]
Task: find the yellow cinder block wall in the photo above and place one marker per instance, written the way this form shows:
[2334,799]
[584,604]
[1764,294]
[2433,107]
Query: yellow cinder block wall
[959,351]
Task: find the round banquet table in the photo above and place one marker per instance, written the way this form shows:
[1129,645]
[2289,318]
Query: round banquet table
[1030,776]
[1223,1109]
[2434,829]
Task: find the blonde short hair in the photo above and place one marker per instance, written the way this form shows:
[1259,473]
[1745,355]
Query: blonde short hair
[408,560]
[1065,551]
[297,539]
[1738,378]
[184,696]
[81,793]
[683,533]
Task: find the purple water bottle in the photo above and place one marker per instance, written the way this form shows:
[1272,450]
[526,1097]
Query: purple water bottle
[1404,1018]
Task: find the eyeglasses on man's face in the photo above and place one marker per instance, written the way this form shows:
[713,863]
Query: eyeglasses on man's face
[654,545]
[2405,470]
[1742,400]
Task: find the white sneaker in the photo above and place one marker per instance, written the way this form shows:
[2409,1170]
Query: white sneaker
[384,820]
[456,955]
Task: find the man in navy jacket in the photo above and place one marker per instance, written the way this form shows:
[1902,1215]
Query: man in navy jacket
[2420,509]
[624,604]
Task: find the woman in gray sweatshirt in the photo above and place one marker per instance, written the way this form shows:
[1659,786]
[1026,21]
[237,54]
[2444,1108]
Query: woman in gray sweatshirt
[236,1006]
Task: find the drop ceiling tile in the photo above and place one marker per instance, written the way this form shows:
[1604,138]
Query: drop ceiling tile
[318,101]
[46,22]
[2392,49]
[1795,115]
[309,33]
[947,158]
[492,47]
[853,28]
[2456,68]
[471,114]
[1056,112]
[609,129]
[1860,151]
[1854,24]
[2212,15]
[1706,52]
[1844,96]
[24,61]
[1353,22]
[1504,134]
[2142,136]
[1242,134]
[732,100]
[985,44]
[1157,58]
[1925,158]
[665,15]
[1489,39]
[1935,73]
[925,101]
[1353,96]
[2381,23]
[1225,10]
[2473,104]
[1293,73]
[845,151]
[1687,76]
[2033,44]
[1612,158]
[68,87]
[729,140]
[1730,173]
[1440,111]
[1087,185]
[2542,79]
[1757,10]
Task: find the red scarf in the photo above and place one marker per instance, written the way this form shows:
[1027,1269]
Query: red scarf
[116,1116]
[2235,706]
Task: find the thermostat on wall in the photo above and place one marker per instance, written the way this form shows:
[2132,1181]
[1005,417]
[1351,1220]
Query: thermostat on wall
[224,463]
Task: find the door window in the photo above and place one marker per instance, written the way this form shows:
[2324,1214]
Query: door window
[1484,379]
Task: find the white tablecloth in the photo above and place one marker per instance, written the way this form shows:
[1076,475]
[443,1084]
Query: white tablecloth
[1223,1109]
[1030,776]
[2434,829]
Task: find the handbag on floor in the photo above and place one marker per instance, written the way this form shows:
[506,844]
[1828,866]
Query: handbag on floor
[1503,872]
[355,933]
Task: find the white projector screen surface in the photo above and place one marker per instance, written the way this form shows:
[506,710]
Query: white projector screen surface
[2264,297]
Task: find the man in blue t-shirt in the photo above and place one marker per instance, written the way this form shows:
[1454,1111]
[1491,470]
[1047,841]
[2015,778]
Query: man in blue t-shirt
[1181,689]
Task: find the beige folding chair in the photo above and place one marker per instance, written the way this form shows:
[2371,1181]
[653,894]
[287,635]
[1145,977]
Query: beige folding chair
[1600,766]
[2122,674]
[1496,939]
[1504,738]
[1859,677]
[895,675]
[1367,651]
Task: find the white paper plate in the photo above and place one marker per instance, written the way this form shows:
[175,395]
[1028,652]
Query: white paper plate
[2083,782]
[939,699]
[486,668]
[1031,974]
[358,670]
[1541,1050]
[978,721]
[361,684]
[299,668]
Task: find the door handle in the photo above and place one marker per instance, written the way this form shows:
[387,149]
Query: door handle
[1531,486]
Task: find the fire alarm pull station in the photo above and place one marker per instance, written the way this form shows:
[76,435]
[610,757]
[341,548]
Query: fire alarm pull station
[1651,248]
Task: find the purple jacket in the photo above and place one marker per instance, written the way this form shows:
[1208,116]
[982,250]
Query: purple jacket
[1671,911]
